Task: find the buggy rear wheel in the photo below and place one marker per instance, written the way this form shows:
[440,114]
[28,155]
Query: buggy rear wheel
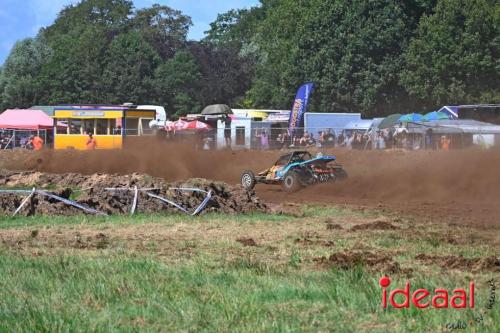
[291,182]
[248,180]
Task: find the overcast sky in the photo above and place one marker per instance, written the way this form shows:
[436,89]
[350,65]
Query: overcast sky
[23,18]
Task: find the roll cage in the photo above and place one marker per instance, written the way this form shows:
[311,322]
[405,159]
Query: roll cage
[294,157]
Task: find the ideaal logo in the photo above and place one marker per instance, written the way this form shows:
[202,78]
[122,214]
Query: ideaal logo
[422,298]
[459,298]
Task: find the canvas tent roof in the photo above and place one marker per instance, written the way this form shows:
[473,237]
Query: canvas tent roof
[376,122]
[49,110]
[26,119]
[448,126]
[359,125]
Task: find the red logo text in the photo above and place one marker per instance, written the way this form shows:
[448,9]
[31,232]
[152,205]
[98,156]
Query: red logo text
[422,298]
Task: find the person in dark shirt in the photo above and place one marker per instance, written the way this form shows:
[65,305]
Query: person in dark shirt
[227,130]
[329,138]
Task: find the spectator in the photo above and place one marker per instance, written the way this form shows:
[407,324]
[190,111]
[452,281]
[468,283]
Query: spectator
[5,140]
[37,142]
[391,139]
[417,142]
[348,141]
[341,139]
[322,139]
[445,143]
[310,141]
[329,138]
[25,141]
[282,140]
[428,139]
[279,139]
[264,140]
[303,139]
[227,130]
[381,140]
[286,139]
[91,142]
[207,141]
[357,142]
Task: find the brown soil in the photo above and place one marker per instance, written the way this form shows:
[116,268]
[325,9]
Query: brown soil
[313,239]
[373,261]
[247,241]
[460,263]
[450,187]
[91,192]
[332,225]
[376,225]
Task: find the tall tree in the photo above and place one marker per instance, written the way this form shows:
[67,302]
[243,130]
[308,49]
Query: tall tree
[226,75]
[164,28]
[111,16]
[18,79]
[351,50]
[129,69]
[455,57]
[177,82]
[74,73]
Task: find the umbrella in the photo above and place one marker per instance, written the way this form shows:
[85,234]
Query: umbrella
[216,109]
[169,126]
[197,125]
[180,124]
[410,118]
[390,121]
[436,115]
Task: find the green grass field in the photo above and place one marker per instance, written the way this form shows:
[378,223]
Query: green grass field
[252,273]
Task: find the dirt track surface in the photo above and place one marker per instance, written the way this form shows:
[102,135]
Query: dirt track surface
[454,186]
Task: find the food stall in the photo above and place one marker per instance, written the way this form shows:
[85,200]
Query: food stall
[112,126]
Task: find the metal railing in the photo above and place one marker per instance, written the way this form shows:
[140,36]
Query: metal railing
[407,138]
[13,139]
[267,137]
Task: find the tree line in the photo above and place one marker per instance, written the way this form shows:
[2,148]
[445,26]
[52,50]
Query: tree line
[375,57]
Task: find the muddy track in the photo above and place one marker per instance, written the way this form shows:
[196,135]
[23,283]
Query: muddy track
[452,187]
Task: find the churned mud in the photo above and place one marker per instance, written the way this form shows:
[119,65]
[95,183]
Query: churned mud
[114,194]
[374,261]
[461,263]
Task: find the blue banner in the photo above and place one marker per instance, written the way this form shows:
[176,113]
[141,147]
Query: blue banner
[300,106]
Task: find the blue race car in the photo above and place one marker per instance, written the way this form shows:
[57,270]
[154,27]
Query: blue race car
[296,170]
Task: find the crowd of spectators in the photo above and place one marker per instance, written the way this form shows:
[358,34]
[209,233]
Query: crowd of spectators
[394,138]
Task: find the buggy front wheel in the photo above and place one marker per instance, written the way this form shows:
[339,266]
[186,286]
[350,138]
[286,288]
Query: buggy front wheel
[248,180]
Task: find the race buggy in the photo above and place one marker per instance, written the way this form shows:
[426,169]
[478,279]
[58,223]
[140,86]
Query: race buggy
[296,170]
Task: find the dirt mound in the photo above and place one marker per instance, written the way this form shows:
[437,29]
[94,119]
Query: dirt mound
[330,225]
[458,262]
[376,225]
[247,241]
[312,238]
[370,260]
[99,192]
